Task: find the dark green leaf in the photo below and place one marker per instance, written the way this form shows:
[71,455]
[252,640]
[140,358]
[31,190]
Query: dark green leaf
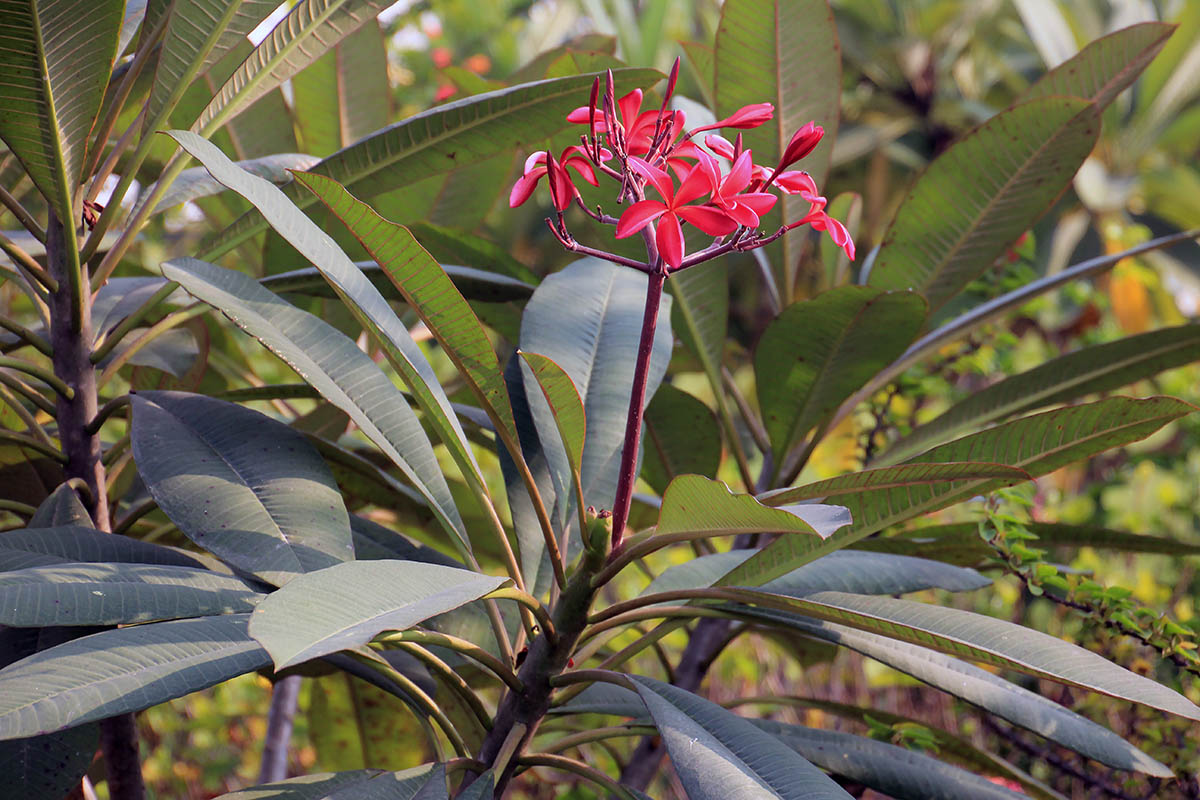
[362,784]
[247,487]
[981,194]
[681,437]
[70,543]
[50,765]
[474,284]
[62,507]
[695,504]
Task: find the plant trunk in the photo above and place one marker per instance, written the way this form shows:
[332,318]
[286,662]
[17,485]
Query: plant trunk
[71,339]
[284,695]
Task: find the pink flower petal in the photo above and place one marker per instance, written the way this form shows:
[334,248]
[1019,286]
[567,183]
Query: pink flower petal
[713,221]
[660,179]
[697,183]
[669,238]
[759,202]
[637,216]
[802,143]
[524,187]
[719,145]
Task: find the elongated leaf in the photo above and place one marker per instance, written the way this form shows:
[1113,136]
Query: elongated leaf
[311,28]
[374,541]
[345,94]
[990,692]
[474,284]
[898,772]
[50,765]
[240,484]
[1100,71]
[56,57]
[445,138]
[981,194]
[693,503]
[198,34]
[449,245]
[700,315]
[122,670]
[360,784]
[843,571]
[818,352]
[985,639]
[62,507]
[907,477]
[1091,370]
[111,594]
[11,560]
[347,605]
[718,755]
[428,290]
[197,182]
[565,405]
[1034,445]
[681,438]
[587,318]
[332,364]
[71,543]
[361,297]
[354,724]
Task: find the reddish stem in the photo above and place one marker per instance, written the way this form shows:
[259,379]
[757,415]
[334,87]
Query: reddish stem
[637,401]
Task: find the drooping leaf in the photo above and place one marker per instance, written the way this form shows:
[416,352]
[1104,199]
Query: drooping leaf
[981,194]
[197,182]
[695,504]
[310,28]
[445,138]
[360,784]
[50,765]
[565,406]
[898,772]
[818,352]
[718,755]
[121,670]
[374,541]
[428,290]
[354,724]
[111,594]
[1091,370]
[990,692]
[842,571]
[1100,71]
[347,605]
[247,487]
[980,638]
[56,57]
[474,284]
[681,438]
[344,95]
[198,34]
[1032,445]
[71,543]
[344,374]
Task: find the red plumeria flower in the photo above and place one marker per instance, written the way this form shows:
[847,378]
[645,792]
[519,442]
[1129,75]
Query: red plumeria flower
[720,145]
[799,182]
[673,210]
[746,117]
[803,142]
[744,208]
[820,221]
[638,125]
[535,168]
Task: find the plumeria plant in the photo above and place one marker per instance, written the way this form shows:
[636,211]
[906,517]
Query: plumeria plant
[487,497]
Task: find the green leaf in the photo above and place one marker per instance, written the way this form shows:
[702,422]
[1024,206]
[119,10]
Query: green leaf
[347,605]
[70,543]
[344,95]
[62,507]
[818,352]
[111,594]
[989,692]
[695,504]
[981,194]
[362,784]
[196,182]
[50,765]
[842,571]
[718,755]
[363,300]
[449,245]
[310,28]
[198,35]
[964,538]
[247,487]
[373,541]
[332,364]
[565,405]
[474,284]
[700,314]
[979,638]
[446,138]
[429,291]
[1100,71]
[122,670]
[1091,370]
[12,560]
[681,438]
[56,57]
[702,59]
[898,772]
[1034,445]
[354,723]
[587,318]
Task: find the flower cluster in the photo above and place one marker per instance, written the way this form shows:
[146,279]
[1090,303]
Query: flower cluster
[715,186]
